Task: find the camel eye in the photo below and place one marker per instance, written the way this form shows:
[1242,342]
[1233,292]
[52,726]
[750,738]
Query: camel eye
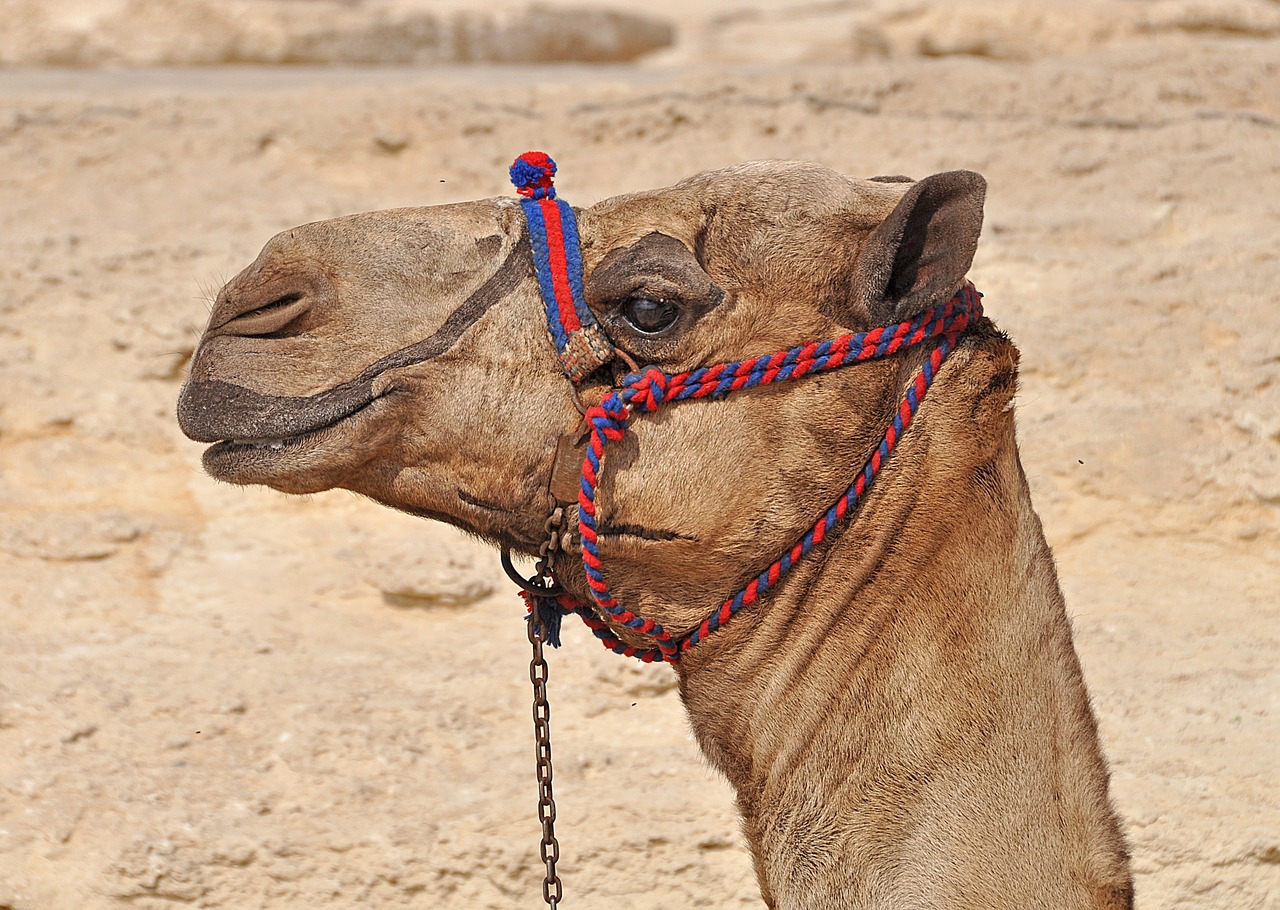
[650,315]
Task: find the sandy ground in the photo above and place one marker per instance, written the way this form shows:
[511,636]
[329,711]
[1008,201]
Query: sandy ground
[230,698]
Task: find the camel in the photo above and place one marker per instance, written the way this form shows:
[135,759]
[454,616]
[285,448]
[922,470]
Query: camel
[902,716]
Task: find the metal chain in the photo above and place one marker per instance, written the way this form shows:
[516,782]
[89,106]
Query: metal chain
[549,547]
[549,849]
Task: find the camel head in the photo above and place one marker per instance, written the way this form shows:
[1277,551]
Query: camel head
[404,355]
[904,718]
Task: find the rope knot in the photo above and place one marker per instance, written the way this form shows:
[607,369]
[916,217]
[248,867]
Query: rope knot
[532,173]
[615,409]
[648,389]
[610,417]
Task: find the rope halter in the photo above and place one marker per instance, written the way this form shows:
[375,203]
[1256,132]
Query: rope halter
[582,347]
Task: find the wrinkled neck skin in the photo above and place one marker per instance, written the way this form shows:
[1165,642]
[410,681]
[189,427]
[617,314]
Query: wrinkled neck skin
[905,724]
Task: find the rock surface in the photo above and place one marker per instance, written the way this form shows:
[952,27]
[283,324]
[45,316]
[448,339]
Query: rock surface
[206,698]
[207,32]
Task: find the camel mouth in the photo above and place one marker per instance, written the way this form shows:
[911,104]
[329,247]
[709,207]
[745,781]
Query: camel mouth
[273,460]
[276,443]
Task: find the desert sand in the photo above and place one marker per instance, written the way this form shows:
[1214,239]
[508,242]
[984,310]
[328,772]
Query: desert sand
[221,697]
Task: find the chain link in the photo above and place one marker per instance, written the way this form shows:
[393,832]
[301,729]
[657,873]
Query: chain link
[550,546]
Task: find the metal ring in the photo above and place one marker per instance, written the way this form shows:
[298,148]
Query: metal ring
[628,360]
[577,399]
[536,586]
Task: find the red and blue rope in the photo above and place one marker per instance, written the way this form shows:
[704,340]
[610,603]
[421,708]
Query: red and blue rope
[650,389]
[554,236]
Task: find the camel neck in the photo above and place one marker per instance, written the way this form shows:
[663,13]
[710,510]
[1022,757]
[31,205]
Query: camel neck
[900,712]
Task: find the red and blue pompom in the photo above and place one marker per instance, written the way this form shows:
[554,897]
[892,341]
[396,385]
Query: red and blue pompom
[532,174]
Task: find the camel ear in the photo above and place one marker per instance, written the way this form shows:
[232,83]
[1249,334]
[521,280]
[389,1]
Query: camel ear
[919,255]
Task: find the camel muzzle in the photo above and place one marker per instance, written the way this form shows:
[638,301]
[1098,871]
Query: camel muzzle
[212,410]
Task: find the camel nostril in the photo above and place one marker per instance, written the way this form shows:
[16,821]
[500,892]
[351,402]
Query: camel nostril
[271,317]
[278,303]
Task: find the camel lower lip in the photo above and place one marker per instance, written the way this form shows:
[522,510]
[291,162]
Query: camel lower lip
[273,445]
[229,452]
[220,452]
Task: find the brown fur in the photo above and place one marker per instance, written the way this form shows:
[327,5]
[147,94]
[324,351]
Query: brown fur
[904,718]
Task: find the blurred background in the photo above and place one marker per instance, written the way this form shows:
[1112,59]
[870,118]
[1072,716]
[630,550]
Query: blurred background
[231,698]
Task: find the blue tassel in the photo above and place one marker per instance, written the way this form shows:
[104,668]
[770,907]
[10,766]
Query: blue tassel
[548,613]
